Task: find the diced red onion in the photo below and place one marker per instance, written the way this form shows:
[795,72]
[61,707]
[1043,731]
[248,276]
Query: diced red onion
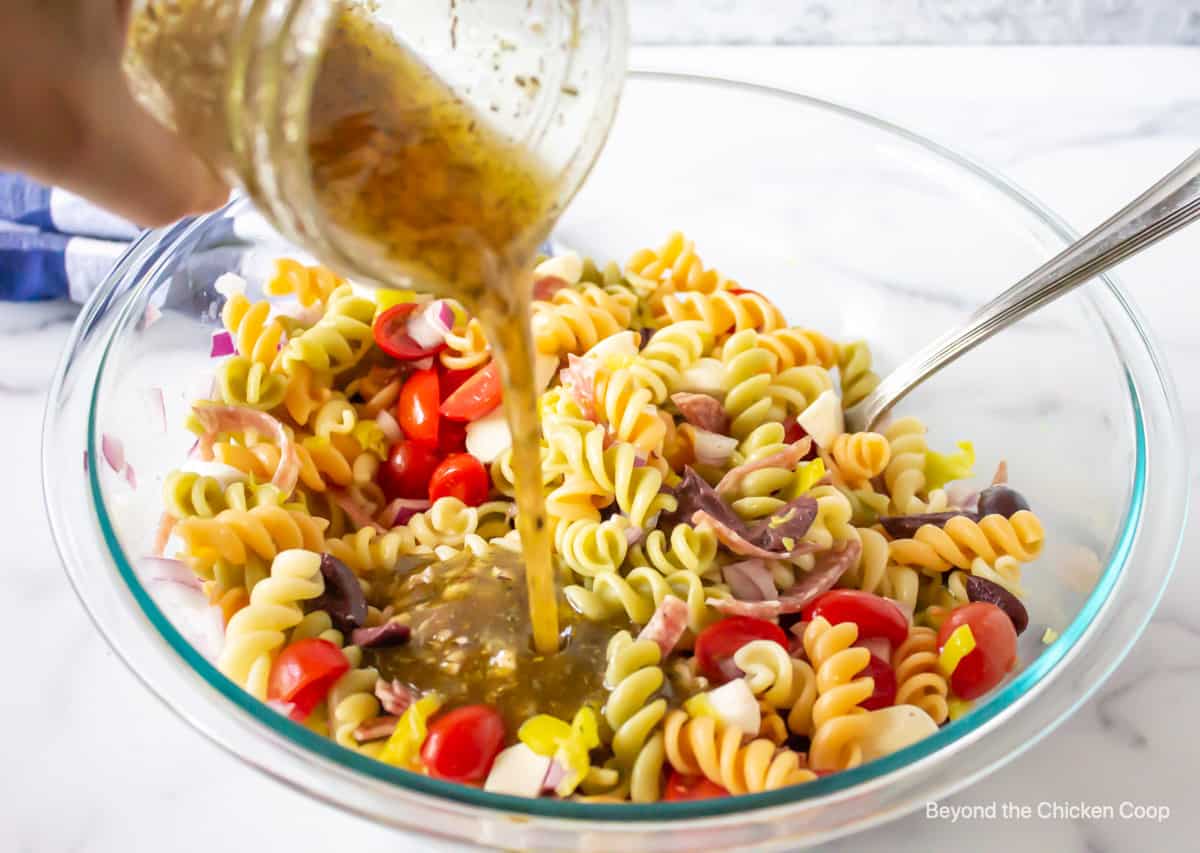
[712,448]
[281,707]
[85,462]
[401,510]
[750,580]
[157,406]
[423,363]
[555,773]
[113,451]
[878,646]
[222,345]
[387,423]
[151,316]
[170,571]
[634,535]
[130,475]
[428,327]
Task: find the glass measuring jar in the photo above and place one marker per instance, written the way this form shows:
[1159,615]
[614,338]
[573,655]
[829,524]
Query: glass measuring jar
[248,84]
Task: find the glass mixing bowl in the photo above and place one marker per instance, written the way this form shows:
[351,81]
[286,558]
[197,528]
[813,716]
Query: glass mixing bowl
[853,226]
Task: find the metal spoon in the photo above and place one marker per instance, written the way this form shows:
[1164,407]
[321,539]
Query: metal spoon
[1167,206]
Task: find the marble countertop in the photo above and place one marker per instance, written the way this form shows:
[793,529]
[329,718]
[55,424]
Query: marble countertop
[90,761]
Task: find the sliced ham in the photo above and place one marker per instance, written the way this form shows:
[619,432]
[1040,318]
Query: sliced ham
[667,624]
[395,696]
[829,568]
[703,411]
[750,580]
[579,380]
[789,457]
[376,728]
[219,419]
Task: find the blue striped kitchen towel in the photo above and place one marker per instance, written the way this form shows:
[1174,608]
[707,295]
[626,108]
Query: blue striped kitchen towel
[54,244]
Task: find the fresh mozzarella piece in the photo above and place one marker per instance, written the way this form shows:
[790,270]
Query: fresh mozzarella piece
[224,474]
[733,704]
[488,437]
[706,376]
[517,771]
[567,266]
[823,419]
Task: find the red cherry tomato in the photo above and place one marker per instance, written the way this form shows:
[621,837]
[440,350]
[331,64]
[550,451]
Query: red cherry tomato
[462,476]
[995,651]
[417,408]
[452,437]
[874,615]
[681,788]
[452,380]
[391,334]
[407,470]
[303,674]
[463,743]
[475,397]
[716,644]
[885,683]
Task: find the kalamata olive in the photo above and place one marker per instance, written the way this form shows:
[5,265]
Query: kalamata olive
[343,597]
[1001,500]
[906,526]
[980,589]
[387,634]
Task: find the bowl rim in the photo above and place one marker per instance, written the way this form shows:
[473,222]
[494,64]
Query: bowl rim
[153,248]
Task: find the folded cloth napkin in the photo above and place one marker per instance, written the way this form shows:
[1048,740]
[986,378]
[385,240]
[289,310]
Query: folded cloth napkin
[54,244]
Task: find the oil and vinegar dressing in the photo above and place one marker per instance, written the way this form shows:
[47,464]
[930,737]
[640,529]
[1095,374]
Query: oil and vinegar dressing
[405,172]
[399,161]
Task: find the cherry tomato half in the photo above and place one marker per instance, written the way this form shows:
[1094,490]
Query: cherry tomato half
[463,743]
[716,644]
[995,650]
[303,674]
[461,476]
[451,380]
[391,334]
[885,683]
[477,396]
[680,788]
[874,615]
[407,470]
[452,437]
[417,408]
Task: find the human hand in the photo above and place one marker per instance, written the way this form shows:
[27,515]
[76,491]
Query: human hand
[69,118]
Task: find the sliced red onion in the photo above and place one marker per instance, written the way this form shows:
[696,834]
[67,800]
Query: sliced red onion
[389,425]
[750,580]
[169,571]
[555,773]
[157,406]
[151,316]
[428,327]
[401,510]
[878,646]
[222,345]
[712,448]
[113,451]
[907,608]
[634,535]
[130,475]
[423,363]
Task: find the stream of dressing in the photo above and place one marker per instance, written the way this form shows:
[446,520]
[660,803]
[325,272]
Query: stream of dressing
[404,168]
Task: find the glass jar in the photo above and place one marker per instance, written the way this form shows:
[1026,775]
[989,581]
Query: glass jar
[238,78]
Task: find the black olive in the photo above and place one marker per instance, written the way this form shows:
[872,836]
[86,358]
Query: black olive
[906,526]
[980,589]
[343,597]
[1001,500]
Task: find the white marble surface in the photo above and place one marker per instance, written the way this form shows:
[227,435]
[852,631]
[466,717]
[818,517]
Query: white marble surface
[91,762]
[916,21]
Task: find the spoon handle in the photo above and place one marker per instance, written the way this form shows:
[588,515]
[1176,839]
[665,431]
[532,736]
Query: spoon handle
[1170,204]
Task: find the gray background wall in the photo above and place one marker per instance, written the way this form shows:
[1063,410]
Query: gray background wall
[916,21]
